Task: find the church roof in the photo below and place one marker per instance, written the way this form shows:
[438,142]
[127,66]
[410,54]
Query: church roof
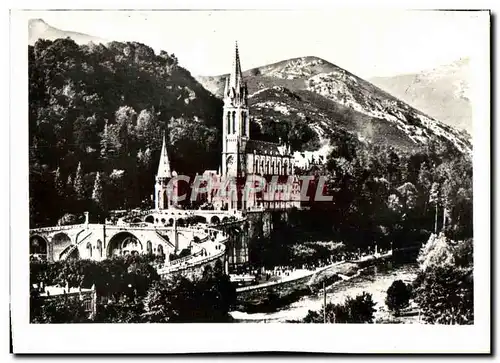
[164,166]
[262,147]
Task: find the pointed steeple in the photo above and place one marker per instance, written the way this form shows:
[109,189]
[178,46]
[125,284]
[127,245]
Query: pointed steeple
[235,89]
[164,166]
[236,75]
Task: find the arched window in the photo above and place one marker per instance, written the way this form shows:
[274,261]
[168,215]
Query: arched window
[234,122]
[272,168]
[99,247]
[279,167]
[229,122]
[160,250]
[285,168]
[89,249]
[149,247]
[244,122]
[267,167]
[256,165]
[164,202]
[262,166]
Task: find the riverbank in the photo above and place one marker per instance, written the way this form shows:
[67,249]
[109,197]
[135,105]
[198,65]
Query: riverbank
[374,280]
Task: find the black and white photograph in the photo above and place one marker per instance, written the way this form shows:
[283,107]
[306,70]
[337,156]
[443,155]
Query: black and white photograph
[254,168]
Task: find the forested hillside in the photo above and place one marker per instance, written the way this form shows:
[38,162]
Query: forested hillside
[103,109]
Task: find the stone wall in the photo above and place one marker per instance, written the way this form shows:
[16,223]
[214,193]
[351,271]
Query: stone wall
[195,271]
[260,294]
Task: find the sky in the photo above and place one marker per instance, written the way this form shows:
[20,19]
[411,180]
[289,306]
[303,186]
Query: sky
[366,43]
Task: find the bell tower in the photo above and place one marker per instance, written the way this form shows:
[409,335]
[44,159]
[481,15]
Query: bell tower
[236,122]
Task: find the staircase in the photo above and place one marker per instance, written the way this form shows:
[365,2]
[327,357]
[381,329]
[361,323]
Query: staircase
[164,240]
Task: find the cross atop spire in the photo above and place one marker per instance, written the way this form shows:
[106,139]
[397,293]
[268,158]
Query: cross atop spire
[164,166]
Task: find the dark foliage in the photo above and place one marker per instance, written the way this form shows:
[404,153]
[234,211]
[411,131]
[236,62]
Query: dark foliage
[398,296]
[380,197]
[180,300]
[354,310]
[107,106]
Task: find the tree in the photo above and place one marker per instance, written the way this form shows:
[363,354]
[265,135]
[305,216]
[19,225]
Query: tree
[434,198]
[62,309]
[255,72]
[108,150]
[358,310]
[393,167]
[438,251]
[424,177]
[398,296]
[409,194]
[69,186]
[59,184]
[446,295]
[447,191]
[167,300]
[68,219]
[78,184]
[98,193]
[361,308]
[444,288]
[85,134]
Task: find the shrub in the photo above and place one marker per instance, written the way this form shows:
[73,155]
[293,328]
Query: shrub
[398,297]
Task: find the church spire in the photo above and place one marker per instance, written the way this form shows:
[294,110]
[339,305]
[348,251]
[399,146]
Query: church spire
[235,89]
[236,76]
[164,166]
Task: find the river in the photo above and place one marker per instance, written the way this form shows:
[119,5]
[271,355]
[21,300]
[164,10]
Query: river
[374,280]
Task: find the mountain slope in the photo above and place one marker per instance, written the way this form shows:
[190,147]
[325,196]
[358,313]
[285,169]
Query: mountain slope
[441,92]
[39,29]
[345,100]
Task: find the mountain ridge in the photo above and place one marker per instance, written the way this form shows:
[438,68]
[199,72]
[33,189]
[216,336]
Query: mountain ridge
[345,90]
[39,29]
[442,92]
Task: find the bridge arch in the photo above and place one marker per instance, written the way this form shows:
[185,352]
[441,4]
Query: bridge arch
[215,220]
[149,219]
[38,247]
[61,245]
[124,243]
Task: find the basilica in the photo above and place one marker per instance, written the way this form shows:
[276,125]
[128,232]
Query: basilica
[242,159]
